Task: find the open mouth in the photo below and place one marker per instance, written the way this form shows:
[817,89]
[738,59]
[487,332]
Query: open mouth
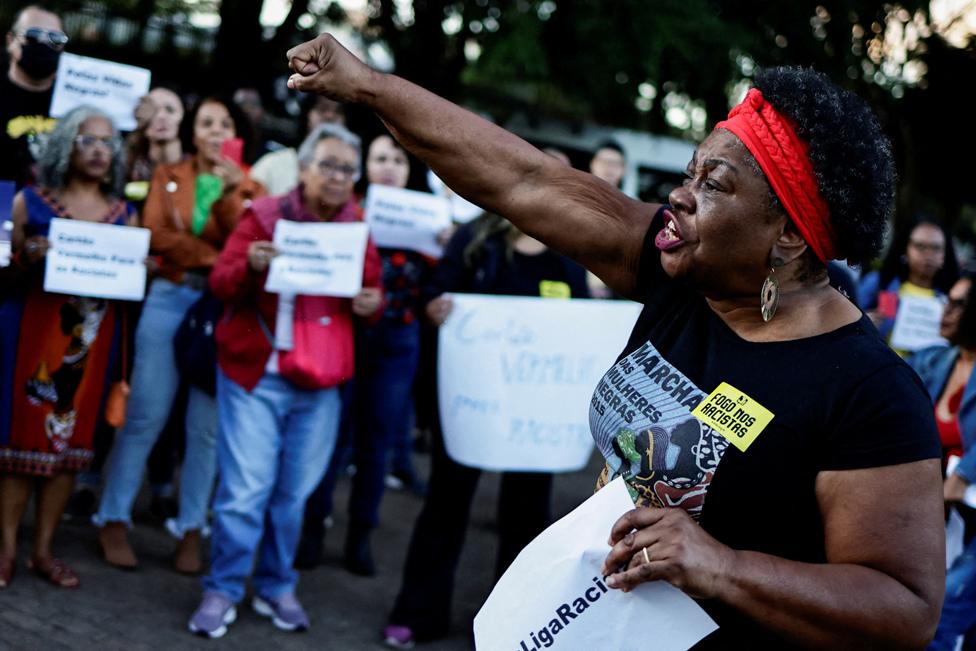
[669,237]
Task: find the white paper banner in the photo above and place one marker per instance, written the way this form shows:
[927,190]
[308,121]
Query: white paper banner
[404,219]
[318,259]
[516,375]
[100,260]
[553,597]
[917,323]
[112,87]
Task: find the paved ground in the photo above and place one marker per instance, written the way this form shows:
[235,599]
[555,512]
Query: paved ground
[148,609]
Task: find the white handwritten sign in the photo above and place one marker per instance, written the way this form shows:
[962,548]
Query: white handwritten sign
[318,259]
[553,595]
[100,260]
[112,87]
[516,375]
[917,323]
[404,219]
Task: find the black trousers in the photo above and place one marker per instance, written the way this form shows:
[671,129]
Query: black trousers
[524,504]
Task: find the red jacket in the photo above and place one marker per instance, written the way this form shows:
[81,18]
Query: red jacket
[243,348]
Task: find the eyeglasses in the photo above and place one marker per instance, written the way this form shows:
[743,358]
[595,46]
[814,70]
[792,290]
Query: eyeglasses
[338,171]
[50,37]
[925,247]
[86,141]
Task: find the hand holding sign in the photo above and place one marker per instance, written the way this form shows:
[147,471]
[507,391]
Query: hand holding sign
[652,544]
[553,597]
[317,259]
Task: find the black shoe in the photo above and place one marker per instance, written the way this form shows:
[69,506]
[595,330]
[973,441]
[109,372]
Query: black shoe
[81,506]
[359,556]
[311,546]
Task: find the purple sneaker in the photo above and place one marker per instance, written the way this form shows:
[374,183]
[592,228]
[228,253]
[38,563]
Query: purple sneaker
[212,617]
[398,637]
[285,612]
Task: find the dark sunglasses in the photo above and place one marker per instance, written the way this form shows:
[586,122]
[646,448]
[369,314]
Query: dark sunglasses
[50,37]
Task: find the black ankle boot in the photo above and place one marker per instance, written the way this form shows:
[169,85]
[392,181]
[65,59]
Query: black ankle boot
[359,556]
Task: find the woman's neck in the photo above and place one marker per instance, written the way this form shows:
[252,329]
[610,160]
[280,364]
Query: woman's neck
[203,165]
[165,152]
[324,213]
[82,186]
[967,355]
[804,310]
[920,281]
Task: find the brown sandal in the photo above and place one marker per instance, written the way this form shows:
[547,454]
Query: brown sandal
[57,573]
[7,565]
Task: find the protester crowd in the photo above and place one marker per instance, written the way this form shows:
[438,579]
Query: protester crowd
[94,392]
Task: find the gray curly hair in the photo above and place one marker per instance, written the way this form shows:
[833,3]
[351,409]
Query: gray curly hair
[54,162]
[306,151]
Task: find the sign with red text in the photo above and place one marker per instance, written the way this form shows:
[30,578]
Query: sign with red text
[553,595]
[516,375]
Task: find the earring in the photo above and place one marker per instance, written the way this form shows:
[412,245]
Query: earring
[769,297]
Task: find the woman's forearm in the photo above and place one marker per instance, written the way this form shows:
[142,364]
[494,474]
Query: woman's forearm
[835,606]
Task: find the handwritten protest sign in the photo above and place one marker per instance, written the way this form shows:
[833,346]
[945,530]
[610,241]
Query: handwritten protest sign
[318,259]
[404,219]
[553,595]
[112,87]
[7,191]
[917,323]
[100,260]
[516,376]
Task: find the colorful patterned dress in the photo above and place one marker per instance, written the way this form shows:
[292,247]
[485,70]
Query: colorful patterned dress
[61,369]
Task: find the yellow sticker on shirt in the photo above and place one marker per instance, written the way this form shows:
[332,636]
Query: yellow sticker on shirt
[554,289]
[734,415]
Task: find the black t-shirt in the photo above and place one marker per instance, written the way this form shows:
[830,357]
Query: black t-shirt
[841,400]
[542,274]
[23,117]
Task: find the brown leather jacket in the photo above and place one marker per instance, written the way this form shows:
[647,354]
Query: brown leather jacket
[168,213]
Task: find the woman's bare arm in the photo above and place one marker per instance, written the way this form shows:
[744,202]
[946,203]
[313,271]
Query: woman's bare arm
[881,588]
[571,211]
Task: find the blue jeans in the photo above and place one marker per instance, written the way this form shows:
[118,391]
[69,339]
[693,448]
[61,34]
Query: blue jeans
[959,609]
[273,446]
[385,373]
[155,381]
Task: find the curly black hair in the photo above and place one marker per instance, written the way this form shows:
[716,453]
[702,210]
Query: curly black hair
[243,128]
[850,153]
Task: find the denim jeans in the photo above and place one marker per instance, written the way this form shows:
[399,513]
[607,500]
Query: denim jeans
[273,446]
[959,608]
[155,381]
[389,354]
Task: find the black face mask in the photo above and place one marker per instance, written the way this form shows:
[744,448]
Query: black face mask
[38,60]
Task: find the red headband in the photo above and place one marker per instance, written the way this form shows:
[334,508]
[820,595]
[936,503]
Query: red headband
[782,156]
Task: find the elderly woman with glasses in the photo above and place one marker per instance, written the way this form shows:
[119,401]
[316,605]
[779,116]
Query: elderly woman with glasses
[64,341]
[281,358]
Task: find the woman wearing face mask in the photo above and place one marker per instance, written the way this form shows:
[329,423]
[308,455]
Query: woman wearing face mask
[191,208]
[65,341]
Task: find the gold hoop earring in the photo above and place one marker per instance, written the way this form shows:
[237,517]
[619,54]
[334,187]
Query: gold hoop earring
[769,297]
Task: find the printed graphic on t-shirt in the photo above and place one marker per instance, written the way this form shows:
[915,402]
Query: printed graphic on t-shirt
[640,417]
